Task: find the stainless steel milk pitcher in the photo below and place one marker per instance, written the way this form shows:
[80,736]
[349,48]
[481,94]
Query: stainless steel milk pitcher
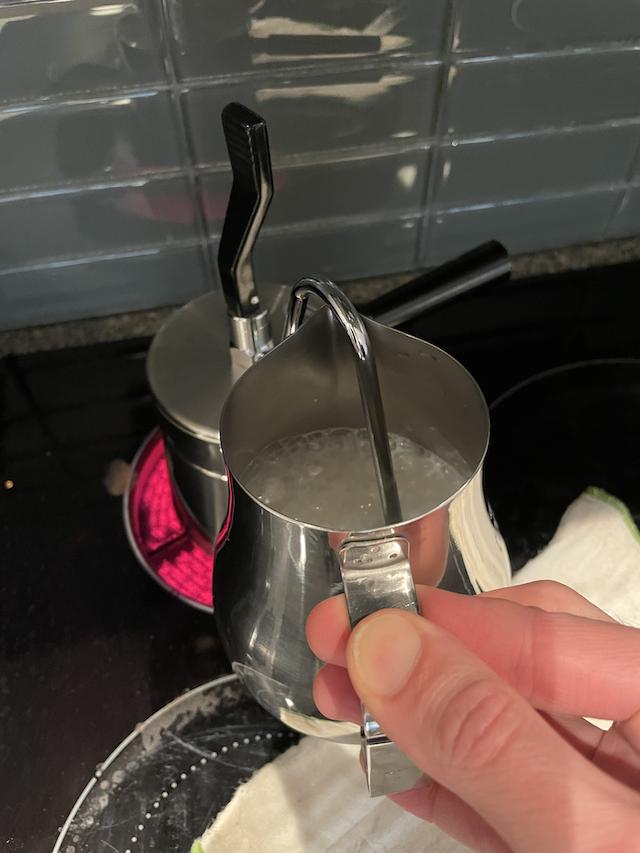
[271,570]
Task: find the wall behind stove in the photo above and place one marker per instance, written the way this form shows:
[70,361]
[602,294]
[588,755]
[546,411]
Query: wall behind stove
[403,131]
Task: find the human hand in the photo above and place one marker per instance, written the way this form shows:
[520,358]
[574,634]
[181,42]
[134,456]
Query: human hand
[486,695]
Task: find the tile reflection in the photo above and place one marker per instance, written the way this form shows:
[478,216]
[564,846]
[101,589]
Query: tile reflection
[82,141]
[366,187]
[52,48]
[276,33]
[324,113]
[81,224]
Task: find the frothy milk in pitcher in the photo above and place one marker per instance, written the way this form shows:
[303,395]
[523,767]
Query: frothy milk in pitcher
[326,478]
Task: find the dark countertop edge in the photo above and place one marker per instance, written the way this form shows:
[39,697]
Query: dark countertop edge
[145,323]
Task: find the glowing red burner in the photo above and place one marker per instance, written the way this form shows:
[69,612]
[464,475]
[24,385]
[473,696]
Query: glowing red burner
[164,538]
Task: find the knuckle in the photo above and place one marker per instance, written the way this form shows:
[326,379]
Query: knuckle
[476,725]
[552,594]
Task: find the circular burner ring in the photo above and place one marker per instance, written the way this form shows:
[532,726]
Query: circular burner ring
[164,538]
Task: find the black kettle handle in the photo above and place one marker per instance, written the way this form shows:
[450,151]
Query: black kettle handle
[486,263]
[248,145]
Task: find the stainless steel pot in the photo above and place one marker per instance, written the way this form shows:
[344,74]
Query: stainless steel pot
[191,369]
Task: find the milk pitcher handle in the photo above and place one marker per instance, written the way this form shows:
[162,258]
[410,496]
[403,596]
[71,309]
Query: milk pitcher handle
[377,575]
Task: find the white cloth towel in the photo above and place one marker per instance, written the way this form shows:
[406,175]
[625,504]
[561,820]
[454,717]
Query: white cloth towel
[596,551]
[313,800]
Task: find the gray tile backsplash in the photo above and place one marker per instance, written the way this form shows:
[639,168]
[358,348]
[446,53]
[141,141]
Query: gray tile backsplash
[496,26]
[86,223]
[339,251]
[474,171]
[402,132]
[52,48]
[550,221]
[67,292]
[313,195]
[217,37]
[82,142]
[488,98]
[627,219]
[387,106]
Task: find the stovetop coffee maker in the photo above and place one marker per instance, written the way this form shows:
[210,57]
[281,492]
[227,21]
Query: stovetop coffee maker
[199,353]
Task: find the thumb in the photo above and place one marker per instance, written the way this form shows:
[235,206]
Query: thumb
[470,731]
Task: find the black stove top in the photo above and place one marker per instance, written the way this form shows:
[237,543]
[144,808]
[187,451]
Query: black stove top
[90,646]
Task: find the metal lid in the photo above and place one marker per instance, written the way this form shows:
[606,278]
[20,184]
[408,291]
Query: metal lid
[189,366]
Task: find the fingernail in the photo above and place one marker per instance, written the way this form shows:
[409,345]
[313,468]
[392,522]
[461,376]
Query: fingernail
[385,650]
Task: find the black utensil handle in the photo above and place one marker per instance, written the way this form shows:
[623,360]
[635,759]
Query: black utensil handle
[486,263]
[248,145]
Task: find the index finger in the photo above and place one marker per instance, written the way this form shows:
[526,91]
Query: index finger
[550,596]
[558,661]
[328,623]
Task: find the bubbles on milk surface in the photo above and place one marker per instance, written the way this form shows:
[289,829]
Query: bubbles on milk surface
[326,477]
